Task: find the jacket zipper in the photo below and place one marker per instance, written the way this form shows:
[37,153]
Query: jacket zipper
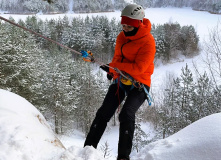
[122,50]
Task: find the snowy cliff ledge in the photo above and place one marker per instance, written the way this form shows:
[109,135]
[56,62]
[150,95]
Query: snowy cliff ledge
[26,135]
[24,132]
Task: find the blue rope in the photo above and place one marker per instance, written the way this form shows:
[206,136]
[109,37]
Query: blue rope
[149,99]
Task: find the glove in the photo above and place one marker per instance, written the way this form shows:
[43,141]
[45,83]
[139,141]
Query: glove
[109,76]
[105,68]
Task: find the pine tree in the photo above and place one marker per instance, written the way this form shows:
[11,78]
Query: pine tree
[35,6]
[169,110]
[140,138]
[177,110]
[159,36]
[78,32]
[60,90]
[188,41]
[19,53]
[201,98]
[187,93]
[119,4]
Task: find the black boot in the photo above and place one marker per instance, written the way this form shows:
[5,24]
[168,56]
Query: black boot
[96,131]
[125,140]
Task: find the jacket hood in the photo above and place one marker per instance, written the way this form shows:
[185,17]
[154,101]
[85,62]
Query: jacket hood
[143,30]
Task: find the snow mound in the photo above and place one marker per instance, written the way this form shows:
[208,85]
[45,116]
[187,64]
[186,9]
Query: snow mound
[199,141]
[79,153]
[24,132]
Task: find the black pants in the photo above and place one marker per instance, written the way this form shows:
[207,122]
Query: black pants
[134,100]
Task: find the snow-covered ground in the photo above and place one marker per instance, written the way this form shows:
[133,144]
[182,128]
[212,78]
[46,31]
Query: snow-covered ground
[25,135]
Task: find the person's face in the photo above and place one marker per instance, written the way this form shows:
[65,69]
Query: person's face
[127,28]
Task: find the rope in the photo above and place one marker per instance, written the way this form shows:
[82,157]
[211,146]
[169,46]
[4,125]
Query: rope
[37,34]
[72,50]
[79,53]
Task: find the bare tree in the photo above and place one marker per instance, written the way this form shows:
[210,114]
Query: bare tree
[212,59]
[106,150]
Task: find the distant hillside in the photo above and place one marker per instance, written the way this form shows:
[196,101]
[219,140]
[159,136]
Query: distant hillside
[88,6]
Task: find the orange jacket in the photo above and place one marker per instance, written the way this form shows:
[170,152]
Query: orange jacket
[138,52]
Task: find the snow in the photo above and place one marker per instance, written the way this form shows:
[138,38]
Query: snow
[199,141]
[24,131]
[26,135]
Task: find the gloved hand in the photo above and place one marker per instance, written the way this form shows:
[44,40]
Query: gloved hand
[109,76]
[106,69]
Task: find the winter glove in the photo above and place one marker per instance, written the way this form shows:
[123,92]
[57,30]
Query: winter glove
[106,69]
[109,76]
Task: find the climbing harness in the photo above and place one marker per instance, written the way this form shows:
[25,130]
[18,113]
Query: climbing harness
[127,83]
[125,78]
[126,88]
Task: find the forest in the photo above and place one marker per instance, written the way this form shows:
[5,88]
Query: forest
[68,91]
[89,6]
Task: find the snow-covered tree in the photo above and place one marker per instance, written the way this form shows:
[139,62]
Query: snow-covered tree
[201,98]
[19,53]
[188,41]
[140,138]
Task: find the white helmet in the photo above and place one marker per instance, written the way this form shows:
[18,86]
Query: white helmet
[133,11]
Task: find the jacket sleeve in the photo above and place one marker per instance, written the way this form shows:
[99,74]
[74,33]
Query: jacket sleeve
[143,60]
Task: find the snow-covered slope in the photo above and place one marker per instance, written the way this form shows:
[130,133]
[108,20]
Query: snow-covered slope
[24,132]
[25,135]
[198,141]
